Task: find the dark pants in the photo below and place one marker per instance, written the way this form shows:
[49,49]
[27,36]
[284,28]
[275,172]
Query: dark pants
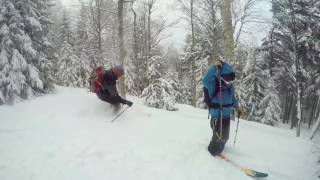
[218,139]
[114,100]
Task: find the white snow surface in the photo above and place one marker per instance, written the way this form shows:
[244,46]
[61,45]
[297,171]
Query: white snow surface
[67,136]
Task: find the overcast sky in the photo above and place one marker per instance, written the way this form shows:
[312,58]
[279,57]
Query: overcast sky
[166,8]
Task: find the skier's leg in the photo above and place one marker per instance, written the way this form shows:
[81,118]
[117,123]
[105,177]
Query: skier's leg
[215,142]
[117,107]
[114,101]
[226,130]
[225,133]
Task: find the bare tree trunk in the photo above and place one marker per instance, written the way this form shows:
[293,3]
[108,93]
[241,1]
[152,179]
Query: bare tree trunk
[149,40]
[314,106]
[298,68]
[317,113]
[285,108]
[192,24]
[292,117]
[99,28]
[145,40]
[209,23]
[299,112]
[245,16]
[122,52]
[225,9]
[315,128]
[149,32]
[96,14]
[192,58]
[194,82]
[136,49]
[135,38]
[214,36]
[291,109]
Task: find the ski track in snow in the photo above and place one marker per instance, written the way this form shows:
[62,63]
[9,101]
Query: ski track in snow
[68,135]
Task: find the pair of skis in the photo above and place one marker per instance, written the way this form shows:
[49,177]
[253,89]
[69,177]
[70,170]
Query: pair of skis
[115,117]
[247,171]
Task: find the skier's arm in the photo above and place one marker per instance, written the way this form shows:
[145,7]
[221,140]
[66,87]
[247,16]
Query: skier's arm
[209,80]
[239,110]
[235,100]
[206,97]
[123,101]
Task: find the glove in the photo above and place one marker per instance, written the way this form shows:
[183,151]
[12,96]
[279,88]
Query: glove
[240,112]
[129,103]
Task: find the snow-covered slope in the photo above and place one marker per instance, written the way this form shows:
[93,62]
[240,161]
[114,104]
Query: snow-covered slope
[68,136]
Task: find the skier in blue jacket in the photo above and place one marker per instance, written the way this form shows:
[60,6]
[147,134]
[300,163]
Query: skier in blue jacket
[220,98]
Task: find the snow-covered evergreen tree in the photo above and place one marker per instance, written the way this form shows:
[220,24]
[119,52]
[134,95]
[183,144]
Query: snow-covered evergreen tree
[270,105]
[183,67]
[269,108]
[160,93]
[72,68]
[24,65]
[192,66]
[252,87]
[312,44]
[257,90]
[83,46]
[201,70]
[288,28]
[172,78]
[293,46]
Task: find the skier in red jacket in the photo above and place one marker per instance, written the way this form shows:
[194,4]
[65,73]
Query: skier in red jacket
[106,88]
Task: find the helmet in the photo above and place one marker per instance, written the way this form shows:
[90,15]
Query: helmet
[118,70]
[226,71]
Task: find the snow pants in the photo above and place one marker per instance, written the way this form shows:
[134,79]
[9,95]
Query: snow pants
[218,142]
[115,101]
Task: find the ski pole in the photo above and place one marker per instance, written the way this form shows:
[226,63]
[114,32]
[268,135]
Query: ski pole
[119,114]
[235,138]
[220,94]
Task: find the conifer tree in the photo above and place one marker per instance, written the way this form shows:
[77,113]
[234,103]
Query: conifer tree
[295,28]
[252,86]
[73,68]
[25,68]
[160,93]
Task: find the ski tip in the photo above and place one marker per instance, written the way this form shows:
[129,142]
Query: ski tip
[255,174]
[247,171]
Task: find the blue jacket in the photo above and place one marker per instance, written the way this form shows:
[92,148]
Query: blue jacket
[211,85]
